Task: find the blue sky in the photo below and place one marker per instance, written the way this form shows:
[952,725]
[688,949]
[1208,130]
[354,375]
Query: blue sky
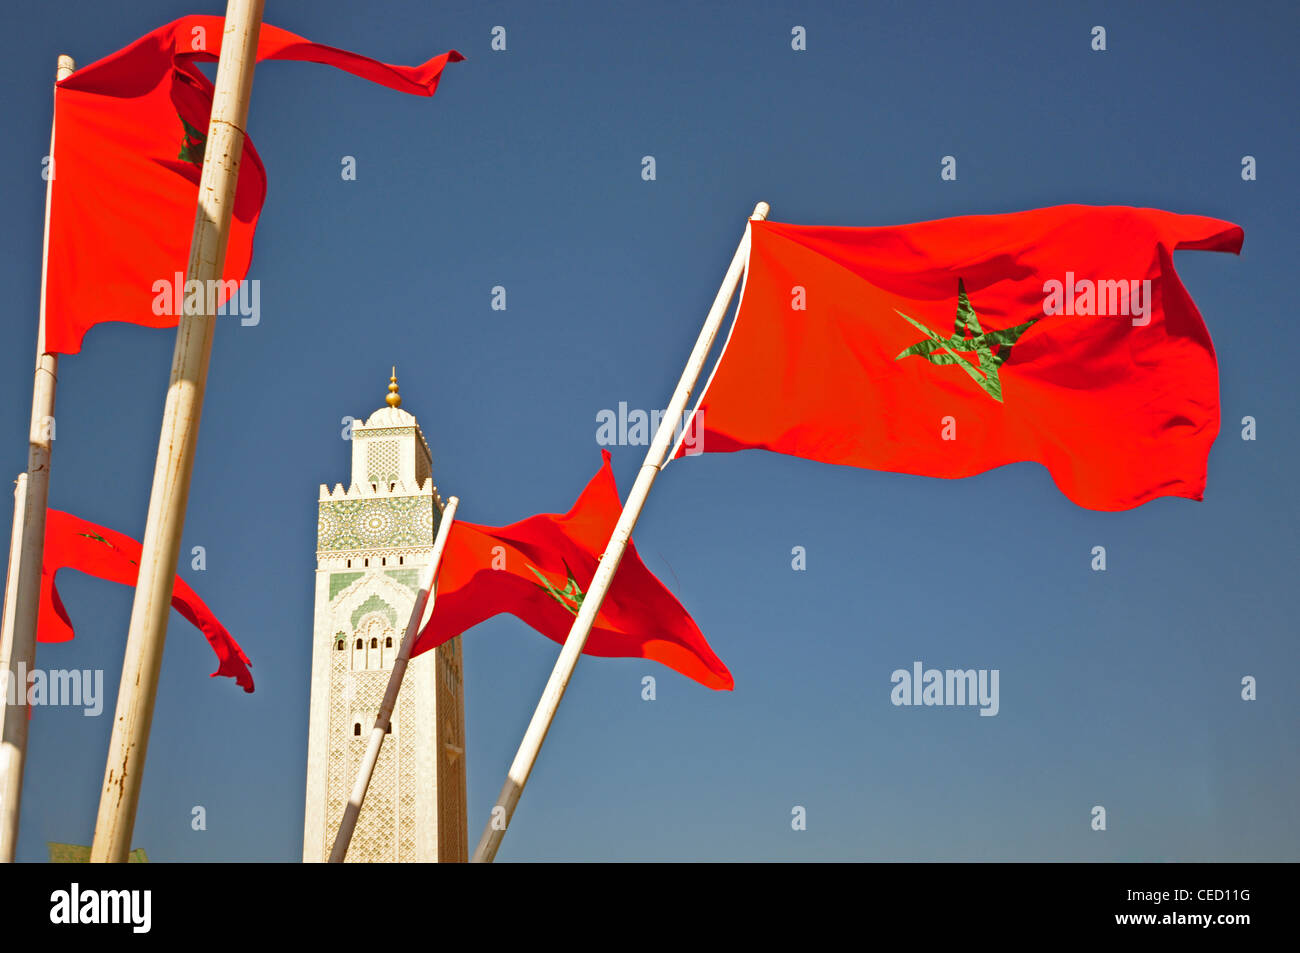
[1119,689]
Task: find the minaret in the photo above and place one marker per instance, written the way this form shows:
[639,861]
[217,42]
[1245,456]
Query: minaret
[372,540]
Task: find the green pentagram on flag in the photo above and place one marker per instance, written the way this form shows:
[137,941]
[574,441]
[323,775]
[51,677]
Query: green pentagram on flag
[193,144]
[992,347]
[100,539]
[570,596]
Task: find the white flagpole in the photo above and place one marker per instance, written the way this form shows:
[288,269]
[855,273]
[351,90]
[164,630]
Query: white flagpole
[7,633]
[11,578]
[655,459]
[27,580]
[385,717]
[176,443]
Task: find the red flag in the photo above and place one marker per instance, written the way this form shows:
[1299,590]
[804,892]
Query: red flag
[947,348]
[73,543]
[539,569]
[128,149]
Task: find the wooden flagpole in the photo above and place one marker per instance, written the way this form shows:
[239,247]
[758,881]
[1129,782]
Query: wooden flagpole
[176,444]
[13,749]
[655,459]
[425,596]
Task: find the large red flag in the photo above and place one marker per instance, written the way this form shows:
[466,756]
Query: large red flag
[74,543]
[539,570]
[947,348]
[129,133]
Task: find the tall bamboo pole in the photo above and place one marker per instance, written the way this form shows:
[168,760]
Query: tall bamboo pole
[655,458]
[176,444]
[385,717]
[13,748]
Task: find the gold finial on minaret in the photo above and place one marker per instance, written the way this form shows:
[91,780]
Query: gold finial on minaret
[394,399]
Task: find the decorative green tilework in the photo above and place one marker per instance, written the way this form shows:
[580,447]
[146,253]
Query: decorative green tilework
[341,580]
[407,577]
[384,523]
[374,604]
[383,460]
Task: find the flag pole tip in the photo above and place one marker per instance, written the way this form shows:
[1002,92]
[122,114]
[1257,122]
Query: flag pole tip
[761,211]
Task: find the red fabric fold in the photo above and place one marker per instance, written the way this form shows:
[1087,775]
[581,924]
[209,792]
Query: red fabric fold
[539,569]
[74,543]
[129,132]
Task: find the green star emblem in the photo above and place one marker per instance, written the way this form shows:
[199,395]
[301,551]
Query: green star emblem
[570,596]
[991,347]
[193,144]
[100,539]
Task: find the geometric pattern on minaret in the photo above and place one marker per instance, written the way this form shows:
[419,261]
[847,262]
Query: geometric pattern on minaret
[373,540]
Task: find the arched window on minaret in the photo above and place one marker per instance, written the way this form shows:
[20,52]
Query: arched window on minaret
[370,631]
[356,730]
[389,654]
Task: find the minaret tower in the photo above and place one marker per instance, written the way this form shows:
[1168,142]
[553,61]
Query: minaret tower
[372,541]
